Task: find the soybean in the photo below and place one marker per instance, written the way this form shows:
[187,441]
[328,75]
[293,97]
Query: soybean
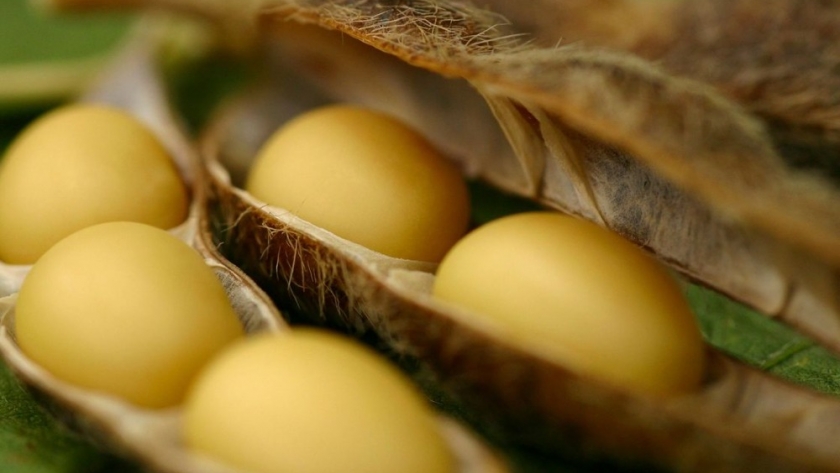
[125,309]
[579,295]
[80,165]
[311,402]
[366,177]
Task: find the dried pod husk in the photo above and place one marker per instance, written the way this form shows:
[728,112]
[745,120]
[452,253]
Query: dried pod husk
[153,437]
[667,162]
[779,59]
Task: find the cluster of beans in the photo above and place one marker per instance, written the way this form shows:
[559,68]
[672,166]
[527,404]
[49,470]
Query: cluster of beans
[116,304]
[568,289]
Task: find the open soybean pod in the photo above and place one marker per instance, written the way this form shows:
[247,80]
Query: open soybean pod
[131,86]
[154,435]
[561,105]
[668,162]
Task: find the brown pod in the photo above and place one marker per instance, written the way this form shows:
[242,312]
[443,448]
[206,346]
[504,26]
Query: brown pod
[667,162]
[787,78]
[153,436]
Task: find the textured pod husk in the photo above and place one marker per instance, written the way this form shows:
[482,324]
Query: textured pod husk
[778,58]
[152,437]
[668,162]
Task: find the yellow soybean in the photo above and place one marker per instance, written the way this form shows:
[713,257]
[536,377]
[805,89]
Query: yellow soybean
[311,402]
[81,165]
[582,296]
[126,309]
[365,177]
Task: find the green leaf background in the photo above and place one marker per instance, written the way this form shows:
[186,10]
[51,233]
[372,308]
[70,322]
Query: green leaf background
[44,57]
[31,441]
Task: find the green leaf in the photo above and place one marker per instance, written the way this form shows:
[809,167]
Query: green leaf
[764,343]
[31,441]
[46,58]
[489,204]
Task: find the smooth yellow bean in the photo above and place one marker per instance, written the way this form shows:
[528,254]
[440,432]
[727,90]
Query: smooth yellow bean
[78,166]
[124,308]
[365,177]
[311,402]
[582,296]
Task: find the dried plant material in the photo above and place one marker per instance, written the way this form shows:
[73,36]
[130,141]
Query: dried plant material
[778,58]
